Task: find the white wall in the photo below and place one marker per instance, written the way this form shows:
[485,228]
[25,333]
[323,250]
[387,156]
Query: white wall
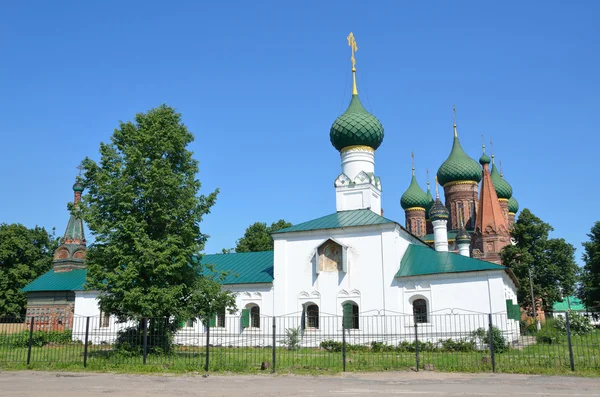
[374,254]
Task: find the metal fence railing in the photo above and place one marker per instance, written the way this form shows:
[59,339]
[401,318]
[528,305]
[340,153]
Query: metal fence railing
[452,342]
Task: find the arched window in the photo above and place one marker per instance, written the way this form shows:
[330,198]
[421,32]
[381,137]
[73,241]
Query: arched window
[312,316]
[255,317]
[351,315]
[420,310]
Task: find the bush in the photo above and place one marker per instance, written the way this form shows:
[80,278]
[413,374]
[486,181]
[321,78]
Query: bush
[527,327]
[292,338]
[579,324]
[331,346]
[549,333]
[449,345]
[38,338]
[481,336]
[130,341]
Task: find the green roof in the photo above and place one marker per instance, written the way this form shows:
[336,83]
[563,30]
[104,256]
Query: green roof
[356,127]
[458,166]
[575,303]
[244,267]
[503,188]
[73,280]
[414,196]
[420,260]
[352,218]
[513,205]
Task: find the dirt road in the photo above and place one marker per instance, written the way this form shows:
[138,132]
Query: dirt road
[52,384]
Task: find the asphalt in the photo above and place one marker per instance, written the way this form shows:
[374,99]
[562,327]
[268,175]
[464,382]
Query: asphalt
[63,384]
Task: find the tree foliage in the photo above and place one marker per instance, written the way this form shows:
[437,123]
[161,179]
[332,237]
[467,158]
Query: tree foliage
[589,287]
[258,236]
[552,261]
[25,254]
[143,208]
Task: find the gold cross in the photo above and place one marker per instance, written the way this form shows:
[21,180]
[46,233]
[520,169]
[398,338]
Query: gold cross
[354,47]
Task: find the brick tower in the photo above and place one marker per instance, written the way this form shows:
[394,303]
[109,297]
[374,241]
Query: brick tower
[491,228]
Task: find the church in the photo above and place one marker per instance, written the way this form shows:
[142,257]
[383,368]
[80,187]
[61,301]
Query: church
[353,262]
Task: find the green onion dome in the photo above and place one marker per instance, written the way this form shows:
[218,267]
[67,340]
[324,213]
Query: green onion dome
[356,127]
[503,189]
[414,196]
[78,187]
[438,211]
[463,237]
[458,166]
[484,159]
[513,205]
[430,201]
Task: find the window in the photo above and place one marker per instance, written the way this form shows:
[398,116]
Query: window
[419,228]
[190,323]
[312,316]
[460,215]
[104,319]
[472,220]
[351,315]
[420,310]
[255,317]
[251,316]
[221,320]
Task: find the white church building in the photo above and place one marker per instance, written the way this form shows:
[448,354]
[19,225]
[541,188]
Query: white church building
[351,262]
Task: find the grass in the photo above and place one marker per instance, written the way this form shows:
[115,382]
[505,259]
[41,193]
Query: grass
[534,359]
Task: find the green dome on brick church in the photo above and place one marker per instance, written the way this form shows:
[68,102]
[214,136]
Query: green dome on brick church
[458,166]
[414,196]
[356,127]
[503,188]
[78,187]
[513,205]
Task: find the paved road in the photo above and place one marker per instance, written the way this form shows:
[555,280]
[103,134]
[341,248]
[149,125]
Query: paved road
[51,384]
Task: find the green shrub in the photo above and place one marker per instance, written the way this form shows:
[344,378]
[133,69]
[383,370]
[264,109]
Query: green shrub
[38,338]
[450,345]
[528,328]
[482,336]
[130,340]
[579,324]
[292,338]
[331,346]
[549,333]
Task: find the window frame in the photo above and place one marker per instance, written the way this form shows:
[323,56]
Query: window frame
[418,305]
[312,320]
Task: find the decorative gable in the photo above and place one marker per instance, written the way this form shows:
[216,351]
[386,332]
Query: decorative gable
[331,256]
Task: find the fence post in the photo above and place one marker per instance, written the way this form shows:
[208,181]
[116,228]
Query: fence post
[30,340]
[145,322]
[571,360]
[207,343]
[85,349]
[344,345]
[417,346]
[274,347]
[491,341]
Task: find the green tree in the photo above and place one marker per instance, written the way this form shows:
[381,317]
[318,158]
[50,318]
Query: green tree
[143,208]
[25,254]
[258,237]
[589,287]
[551,260]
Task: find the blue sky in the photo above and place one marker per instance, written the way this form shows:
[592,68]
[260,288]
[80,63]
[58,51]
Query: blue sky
[260,83]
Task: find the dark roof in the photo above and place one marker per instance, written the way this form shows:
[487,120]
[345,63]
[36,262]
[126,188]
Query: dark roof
[244,267]
[420,260]
[73,280]
[352,218]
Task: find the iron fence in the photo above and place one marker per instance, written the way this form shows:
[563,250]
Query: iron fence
[453,342]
